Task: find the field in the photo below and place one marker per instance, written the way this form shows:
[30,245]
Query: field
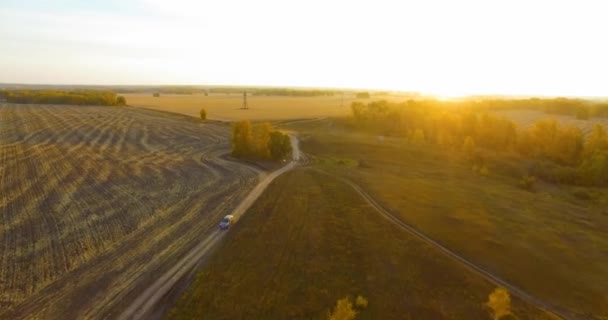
[552,243]
[227,106]
[311,240]
[95,201]
[527,118]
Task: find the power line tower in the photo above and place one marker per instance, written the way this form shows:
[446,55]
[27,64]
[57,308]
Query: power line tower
[245,106]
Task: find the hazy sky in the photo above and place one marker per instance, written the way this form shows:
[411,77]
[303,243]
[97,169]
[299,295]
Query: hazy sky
[447,47]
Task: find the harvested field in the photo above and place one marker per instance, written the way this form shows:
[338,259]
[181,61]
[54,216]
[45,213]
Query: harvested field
[96,201]
[228,106]
[527,118]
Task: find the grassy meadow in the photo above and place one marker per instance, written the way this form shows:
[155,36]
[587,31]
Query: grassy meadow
[228,106]
[311,240]
[551,242]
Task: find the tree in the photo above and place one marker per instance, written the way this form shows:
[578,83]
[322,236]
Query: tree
[279,145]
[203,114]
[594,169]
[343,310]
[121,101]
[596,141]
[362,95]
[261,140]
[156,94]
[469,147]
[499,302]
[242,139]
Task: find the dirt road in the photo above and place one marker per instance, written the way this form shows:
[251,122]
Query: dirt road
[144,305]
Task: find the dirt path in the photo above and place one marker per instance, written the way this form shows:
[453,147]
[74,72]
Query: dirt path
[144,305]
[521,294]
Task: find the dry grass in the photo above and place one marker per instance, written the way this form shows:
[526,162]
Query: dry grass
[227,106]
[94,201]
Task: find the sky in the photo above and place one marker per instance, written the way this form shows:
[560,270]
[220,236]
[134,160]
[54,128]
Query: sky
[451,47]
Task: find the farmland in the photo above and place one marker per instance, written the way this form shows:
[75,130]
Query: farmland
[527,118]
[311,240]
[94,201]
[227,106]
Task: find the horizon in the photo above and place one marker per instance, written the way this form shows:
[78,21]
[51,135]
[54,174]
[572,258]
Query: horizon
[440,48]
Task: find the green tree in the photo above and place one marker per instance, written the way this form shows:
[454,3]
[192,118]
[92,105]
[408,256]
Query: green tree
[594,169]
[203,114]
[343,310]
[242,139]
[261,139]
[596,141]
[279,145]
[121,101]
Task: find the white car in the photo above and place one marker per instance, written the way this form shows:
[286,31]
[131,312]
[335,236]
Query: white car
[227,221]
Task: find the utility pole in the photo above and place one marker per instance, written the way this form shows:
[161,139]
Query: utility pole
[245,106]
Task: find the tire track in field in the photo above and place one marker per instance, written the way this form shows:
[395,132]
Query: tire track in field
[516,291]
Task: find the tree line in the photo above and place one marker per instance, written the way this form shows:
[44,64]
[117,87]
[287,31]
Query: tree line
[259,141]
[98,98]
[294,92]
[561,153]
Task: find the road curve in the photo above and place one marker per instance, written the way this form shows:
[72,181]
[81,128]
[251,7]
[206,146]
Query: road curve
[521,294]
[144,304]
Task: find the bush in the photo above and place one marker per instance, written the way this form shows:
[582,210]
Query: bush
[203,114]
[121,101]
[527,182]
[361,302]
[499,303]
[156,94]
[362,95]
[343,310]
[260,141]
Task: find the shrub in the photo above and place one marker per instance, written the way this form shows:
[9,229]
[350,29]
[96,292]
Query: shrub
[156,94]
[527,182]
[361,302]
[279,145]
[203,114]
[121,101]
[499,302]
[343,310]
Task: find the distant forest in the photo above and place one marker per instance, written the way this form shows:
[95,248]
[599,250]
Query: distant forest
[97,98]
[556,152]
[294,92]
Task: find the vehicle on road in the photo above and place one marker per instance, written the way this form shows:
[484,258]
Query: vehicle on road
[227,222]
